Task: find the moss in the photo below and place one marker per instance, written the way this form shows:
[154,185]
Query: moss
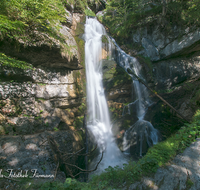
[79,83]
[104,39]
[42,84]
[78,123]
[80,75]
[89,12]
[80,42]
[116,110]
[81,49]
[82,108]
[40,99]
[189,183]
[114,75]
[196,98]
[147,62]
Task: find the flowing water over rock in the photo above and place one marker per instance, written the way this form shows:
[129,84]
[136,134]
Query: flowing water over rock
[142,134]
[98,122]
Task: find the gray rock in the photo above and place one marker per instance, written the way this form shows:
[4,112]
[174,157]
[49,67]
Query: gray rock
[160,45]
[134,186]
[181,44]
[140,137]
[52,91]
[174,71]
[151,50]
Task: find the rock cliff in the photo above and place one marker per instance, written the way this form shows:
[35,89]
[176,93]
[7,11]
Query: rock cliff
[46,101]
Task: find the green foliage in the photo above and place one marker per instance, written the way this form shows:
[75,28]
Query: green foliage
[196,98]
[123,16]
[189,184]
[114,76]
[117,16]
[21,18]
[10,28]
[82,5]
[100,18]
[42,84]
[34,22]
[11,62]
[147,62]
[80,42]
[104,39]
[78,123]
[88,12]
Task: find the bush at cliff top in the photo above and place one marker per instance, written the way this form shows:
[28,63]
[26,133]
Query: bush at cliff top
[21,19]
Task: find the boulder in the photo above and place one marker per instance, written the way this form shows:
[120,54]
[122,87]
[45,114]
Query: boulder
[139,137]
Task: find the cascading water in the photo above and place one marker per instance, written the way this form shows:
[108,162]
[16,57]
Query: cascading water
[98,122]
[141,128]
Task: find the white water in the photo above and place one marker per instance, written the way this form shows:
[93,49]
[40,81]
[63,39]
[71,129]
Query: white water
[142,101]
[98,122]
[131,63]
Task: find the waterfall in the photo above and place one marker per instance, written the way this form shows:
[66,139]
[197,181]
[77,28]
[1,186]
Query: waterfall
[98,121]
[141,128]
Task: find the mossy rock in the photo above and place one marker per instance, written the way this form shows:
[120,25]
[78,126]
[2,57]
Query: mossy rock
[114,75]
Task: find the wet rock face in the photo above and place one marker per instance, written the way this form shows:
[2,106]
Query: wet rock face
[159,44]
[116,81]
[174,54]
[140,137]
[168,73]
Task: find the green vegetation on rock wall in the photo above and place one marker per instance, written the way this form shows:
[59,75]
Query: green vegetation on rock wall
[123,16]
[38,22]
[11,62]
[22,20]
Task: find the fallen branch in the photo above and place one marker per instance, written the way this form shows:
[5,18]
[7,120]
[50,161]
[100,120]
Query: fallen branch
[56,171]
[43,143]
[89,171]
[76,153]
[73,153]
[58,156]
[166,122]
[62,160]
